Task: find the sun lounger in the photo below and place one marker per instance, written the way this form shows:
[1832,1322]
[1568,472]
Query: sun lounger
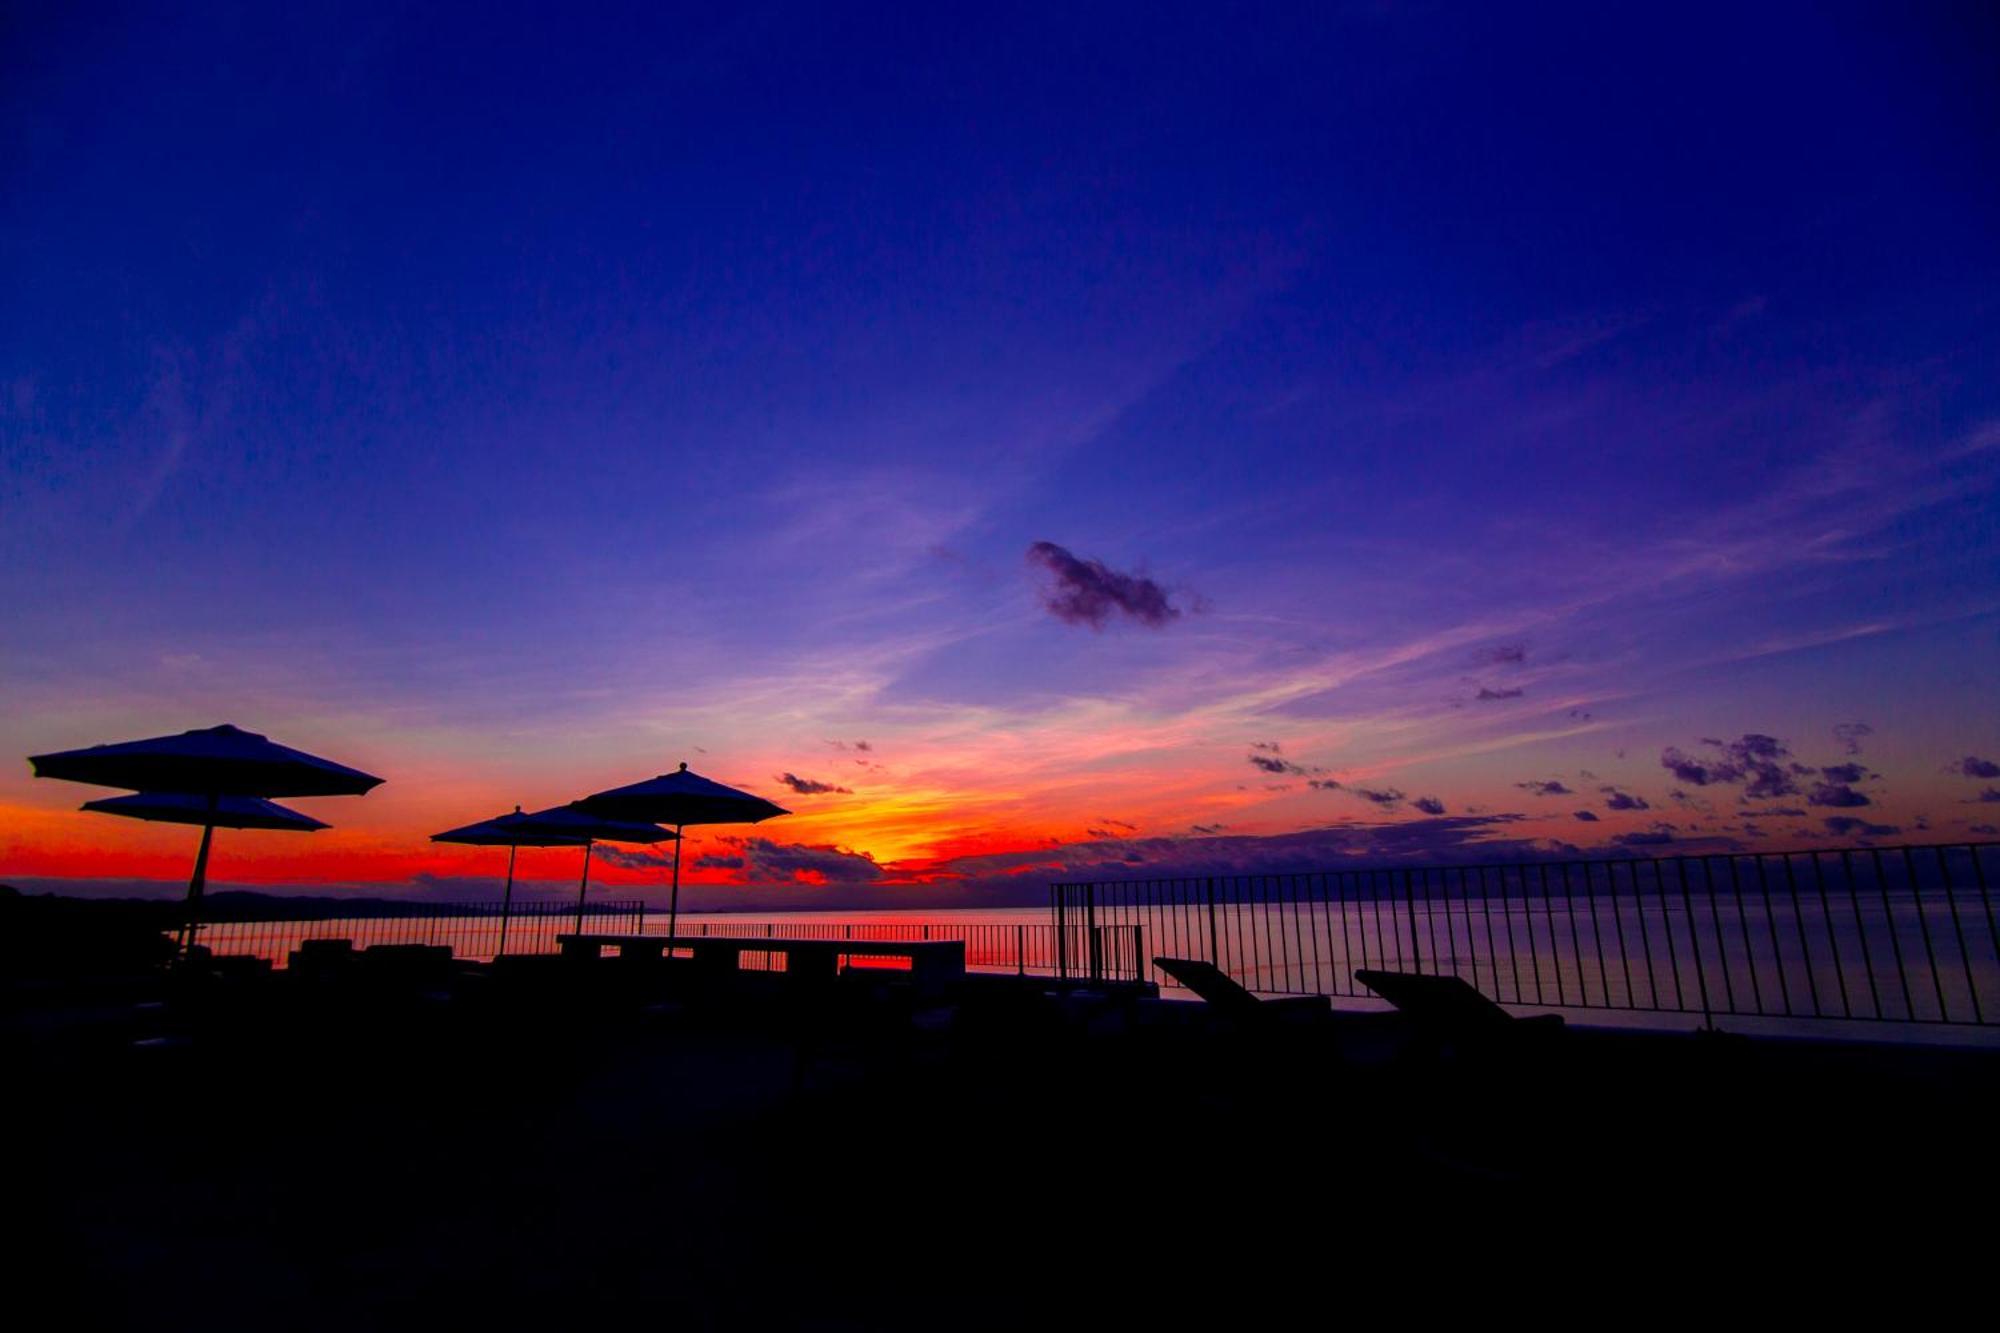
[1448,1011]
[1232,1001]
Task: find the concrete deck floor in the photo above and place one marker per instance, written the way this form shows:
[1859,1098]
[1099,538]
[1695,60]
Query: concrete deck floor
[565,1158]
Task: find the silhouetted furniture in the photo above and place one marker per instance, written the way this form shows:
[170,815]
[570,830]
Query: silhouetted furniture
[408,964]
[1227,998]
[1448,1011]
[934,964]
[320,958]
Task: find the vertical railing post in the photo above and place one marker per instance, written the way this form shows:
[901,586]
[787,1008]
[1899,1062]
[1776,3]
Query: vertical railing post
[1410,902]
[1092,941]
[1694,943]
[1214,939]
[1020,951]
[1060,894]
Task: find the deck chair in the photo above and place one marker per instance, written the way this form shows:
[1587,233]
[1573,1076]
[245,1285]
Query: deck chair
[1229,1000]
[1446,1011]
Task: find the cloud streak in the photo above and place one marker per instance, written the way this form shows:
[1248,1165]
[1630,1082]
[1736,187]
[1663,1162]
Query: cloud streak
[809,786]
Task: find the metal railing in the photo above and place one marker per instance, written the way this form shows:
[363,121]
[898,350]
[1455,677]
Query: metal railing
[1893,934]
[472,930]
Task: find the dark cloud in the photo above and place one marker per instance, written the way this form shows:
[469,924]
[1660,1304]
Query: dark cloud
[1845,772]
[1086,592]
[1430,805]
[1506,654]
[796,862]
[1269,761]
[635,858]
[808,786]
[1117,823]
[1774,811]
[1836,794]
[1102,833]
[1990,796]
[1623,800]
[1586,816]
[1452,839]
[717,861]
[1848,826]
[1988,829]
[1207,830]
[1323,784]
[1753,758]
[1658,837]
[1691,770]
[1972,766]
[1385,796]
[1553,787]
[1851,734]
[1487,692]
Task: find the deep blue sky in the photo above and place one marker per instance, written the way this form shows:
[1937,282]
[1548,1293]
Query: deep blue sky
[523,397]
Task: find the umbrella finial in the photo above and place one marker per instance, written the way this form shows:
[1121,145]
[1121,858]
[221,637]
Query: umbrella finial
[684,765]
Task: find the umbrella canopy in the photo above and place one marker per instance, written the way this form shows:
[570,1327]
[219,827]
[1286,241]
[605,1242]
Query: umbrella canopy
[679,798]
[570,822]
[211,813]
[593,830]
[173,807]
[221,761]
[513,832]
[507,831]
[210,766]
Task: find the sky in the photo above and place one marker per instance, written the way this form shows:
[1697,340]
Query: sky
[1025,443]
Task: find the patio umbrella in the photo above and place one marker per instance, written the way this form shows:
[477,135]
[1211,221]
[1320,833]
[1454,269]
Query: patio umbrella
[211,764]
[512,832]
[681,798]
[214,761]
[593,830]
[222,812]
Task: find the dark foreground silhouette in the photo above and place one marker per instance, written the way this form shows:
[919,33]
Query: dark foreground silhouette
[408,1142]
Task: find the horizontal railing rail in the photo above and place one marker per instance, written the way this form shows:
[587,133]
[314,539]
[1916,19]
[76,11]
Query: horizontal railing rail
[1902,934]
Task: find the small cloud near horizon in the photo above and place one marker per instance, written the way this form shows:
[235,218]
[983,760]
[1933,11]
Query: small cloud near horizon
[809,786]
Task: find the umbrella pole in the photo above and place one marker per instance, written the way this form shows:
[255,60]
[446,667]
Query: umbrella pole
[196,884]
[583,885]
[507,901]
[674,903]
